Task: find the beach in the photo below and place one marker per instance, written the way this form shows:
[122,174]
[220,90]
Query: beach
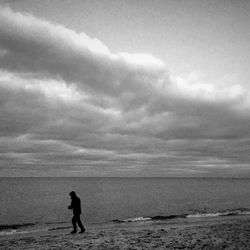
[128,117]
[204,233]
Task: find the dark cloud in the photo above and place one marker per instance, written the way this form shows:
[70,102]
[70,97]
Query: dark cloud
[68,106]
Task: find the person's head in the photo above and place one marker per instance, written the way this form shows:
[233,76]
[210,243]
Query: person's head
[72,194]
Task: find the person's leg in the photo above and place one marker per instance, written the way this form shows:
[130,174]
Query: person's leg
[74,219]
[80,223]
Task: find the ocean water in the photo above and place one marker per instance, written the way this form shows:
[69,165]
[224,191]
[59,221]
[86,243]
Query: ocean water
[43,201]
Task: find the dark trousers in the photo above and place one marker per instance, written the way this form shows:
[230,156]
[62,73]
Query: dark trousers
[76,219]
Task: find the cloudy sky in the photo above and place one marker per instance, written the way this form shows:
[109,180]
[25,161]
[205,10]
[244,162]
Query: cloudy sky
[125,88]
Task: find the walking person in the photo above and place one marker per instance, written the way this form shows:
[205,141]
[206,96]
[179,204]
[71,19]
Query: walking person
[76,206]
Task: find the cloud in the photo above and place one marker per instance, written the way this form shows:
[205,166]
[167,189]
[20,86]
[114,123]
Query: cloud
[70,105]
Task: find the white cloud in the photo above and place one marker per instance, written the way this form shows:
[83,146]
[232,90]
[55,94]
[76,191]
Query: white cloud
[67,101]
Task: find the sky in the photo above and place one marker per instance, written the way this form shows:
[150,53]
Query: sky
[125,88]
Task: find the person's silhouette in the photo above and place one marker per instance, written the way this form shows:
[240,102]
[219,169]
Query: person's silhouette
[76,206]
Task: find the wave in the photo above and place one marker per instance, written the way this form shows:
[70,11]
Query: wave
[228,212]
[11,232]
[55,222]
[60,225]
[30,227]
[59,228]
[133,219]
[202,214]
[16,226]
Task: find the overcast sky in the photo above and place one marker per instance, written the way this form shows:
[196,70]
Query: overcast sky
[125,88]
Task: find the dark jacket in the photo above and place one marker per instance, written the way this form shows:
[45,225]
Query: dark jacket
[75,205]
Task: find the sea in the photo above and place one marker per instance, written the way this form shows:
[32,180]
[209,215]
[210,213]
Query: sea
[31,204]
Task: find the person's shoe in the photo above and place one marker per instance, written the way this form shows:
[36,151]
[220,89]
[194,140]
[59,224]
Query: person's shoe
[73,232]
[82,231]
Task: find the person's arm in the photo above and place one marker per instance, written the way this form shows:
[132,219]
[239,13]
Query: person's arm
[71,205]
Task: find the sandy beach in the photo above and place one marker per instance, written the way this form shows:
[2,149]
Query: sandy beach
[210,233]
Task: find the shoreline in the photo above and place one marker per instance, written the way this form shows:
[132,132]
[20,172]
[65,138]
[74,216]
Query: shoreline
[204,233]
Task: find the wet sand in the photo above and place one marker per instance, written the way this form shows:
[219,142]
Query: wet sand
[210,233]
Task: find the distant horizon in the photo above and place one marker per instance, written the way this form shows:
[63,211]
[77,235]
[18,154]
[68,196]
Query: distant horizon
[131,177]
[125,88]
